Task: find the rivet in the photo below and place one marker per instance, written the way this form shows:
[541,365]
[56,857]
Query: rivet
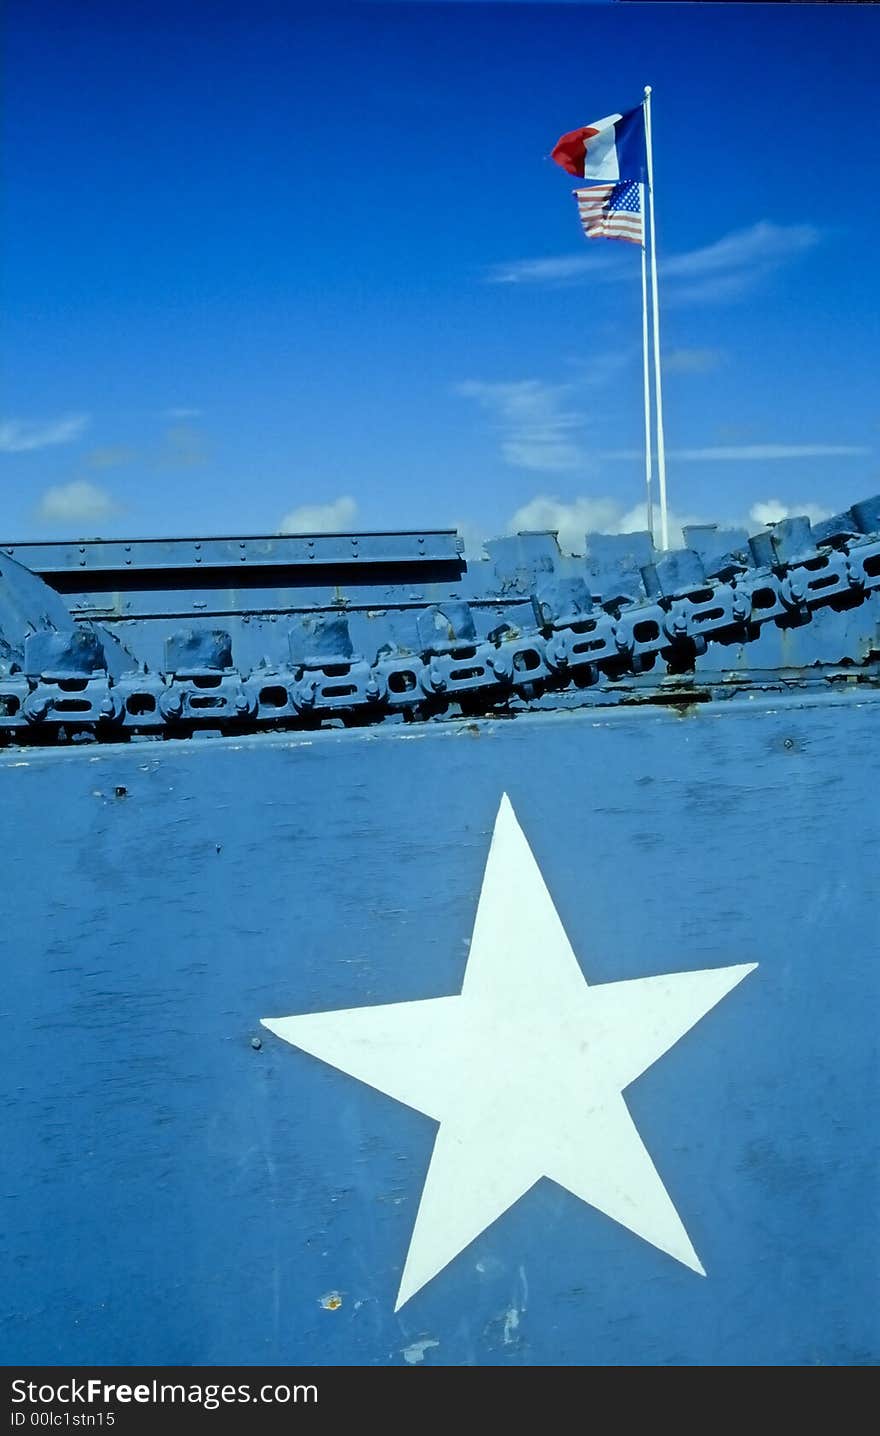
[256,1043]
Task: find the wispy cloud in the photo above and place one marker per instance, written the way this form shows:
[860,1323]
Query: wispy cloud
[183,445]
[692,361]
[557,269]
[110,456]
[542,426]
[774,451]
[537,422]
[761,243]
[338,516]
[727,269]
[605,364]
[184,448]
[182,413]
[737,264]
[19,436]
[748,452]
[74,502]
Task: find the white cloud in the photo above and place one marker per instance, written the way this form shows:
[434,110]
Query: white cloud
[737,264]
[541,425]
[762,243]
[558,269]
[571,519]
[770,511]
[335,517]
[747,452]
[726,269]
[575,517]
[19,436]
[539,428]
[68,503]
[773,451]
[182,413]
[635,520]
[473,536]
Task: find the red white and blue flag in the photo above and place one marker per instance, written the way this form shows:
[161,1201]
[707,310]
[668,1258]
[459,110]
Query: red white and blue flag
[612,211]
[611,149]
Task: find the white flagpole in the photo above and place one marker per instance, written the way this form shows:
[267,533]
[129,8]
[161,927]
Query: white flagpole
[658,394]
[646,368]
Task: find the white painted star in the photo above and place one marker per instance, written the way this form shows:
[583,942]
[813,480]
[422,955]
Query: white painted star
[525,1070]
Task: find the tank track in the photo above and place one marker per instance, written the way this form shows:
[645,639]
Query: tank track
[553,641]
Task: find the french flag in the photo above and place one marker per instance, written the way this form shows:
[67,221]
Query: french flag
[611,149]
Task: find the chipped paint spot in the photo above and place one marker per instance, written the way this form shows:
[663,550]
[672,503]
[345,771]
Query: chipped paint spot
[332,1301]
[514,1312]
[415,1352]
[490,1266]
[525,1287]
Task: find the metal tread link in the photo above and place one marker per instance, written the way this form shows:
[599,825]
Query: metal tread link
[571,643]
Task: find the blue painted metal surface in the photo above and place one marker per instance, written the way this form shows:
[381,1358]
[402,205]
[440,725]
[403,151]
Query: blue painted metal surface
[262,551]
[413,631]
[180,1187]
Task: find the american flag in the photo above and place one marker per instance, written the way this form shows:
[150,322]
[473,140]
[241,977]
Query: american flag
[612,211]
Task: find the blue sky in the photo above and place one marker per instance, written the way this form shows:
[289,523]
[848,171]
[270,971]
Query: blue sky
[267,263]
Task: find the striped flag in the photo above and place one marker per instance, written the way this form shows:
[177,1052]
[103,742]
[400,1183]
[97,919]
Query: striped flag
[612,211]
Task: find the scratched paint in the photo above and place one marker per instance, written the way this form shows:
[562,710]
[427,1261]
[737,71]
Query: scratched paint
[414,1354]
